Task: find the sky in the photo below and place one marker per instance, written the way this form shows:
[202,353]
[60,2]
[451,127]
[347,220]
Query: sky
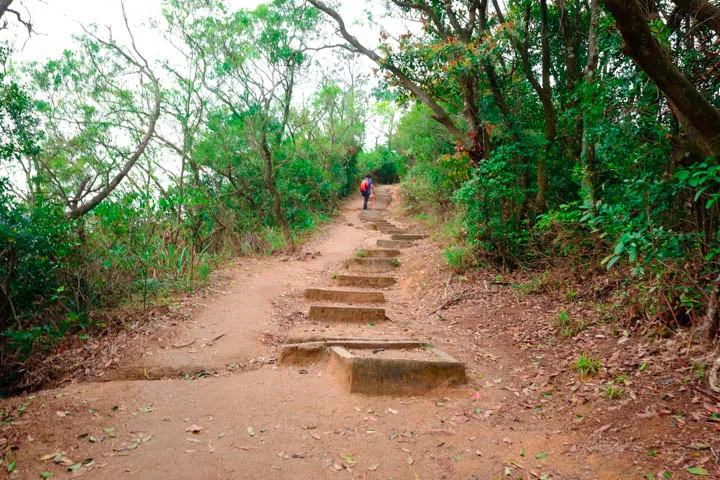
[56,21]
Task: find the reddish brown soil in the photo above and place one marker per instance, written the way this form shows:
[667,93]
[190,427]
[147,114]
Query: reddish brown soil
[525,413]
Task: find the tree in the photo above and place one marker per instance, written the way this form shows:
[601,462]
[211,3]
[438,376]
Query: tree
[404,79]
[697,114]
[88,106]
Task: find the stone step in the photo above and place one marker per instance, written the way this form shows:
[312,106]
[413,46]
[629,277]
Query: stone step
[343,296]
[362,281]
[392,372]
[393,231]
[378,253]
[408,236]
[338,313]
[371,265]
[393,244]
[306,351]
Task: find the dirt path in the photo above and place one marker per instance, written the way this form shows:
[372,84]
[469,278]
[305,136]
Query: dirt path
[239,415]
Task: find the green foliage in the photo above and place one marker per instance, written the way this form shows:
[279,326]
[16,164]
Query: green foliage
[613,392]
[459,258]
[568,327]
[587,365]
[491,206]
[384,165]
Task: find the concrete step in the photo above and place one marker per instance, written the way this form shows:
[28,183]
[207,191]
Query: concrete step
[371,265]
[395,372]
[362,281]
[393,244]
[339,313]
[378,253]
[408,236]
[344,296]
[393,231]
[306,351]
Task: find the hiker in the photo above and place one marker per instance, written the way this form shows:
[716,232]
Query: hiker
[366,189]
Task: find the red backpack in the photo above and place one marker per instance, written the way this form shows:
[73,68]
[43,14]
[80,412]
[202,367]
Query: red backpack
[364,185]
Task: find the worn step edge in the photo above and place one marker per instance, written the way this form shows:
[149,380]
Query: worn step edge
[394,244]
[371,265]
[349,296]
[408,236]
[306,353]
[332,313]
[377,253]
[385,376]
[370,281]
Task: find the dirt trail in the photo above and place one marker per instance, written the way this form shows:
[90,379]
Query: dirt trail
[228,329]
[250,418]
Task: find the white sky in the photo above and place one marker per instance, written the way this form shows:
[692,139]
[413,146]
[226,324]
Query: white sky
[56,21]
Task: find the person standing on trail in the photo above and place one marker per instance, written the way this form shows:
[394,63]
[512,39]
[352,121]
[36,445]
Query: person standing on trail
[366,189]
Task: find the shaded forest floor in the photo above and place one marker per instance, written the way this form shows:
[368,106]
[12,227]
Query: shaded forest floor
[198,393]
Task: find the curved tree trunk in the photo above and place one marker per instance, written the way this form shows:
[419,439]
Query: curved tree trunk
[701,118]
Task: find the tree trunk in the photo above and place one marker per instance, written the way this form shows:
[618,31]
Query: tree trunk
[545,94]
[711,323]
[587,154]
[702,10]
[270,185]
[4,5]
[694,110]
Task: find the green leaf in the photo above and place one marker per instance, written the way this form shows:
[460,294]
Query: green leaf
[349,458]
[46,474]
[701,472]
[11,467]
[541,456]
[75,467]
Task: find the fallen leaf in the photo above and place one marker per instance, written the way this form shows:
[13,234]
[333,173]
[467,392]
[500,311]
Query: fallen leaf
[700,472]
[315,436]
[194,428]
[46,474]
[372,468]
[251,431]
[410,460]
[394,412]
[348,458]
